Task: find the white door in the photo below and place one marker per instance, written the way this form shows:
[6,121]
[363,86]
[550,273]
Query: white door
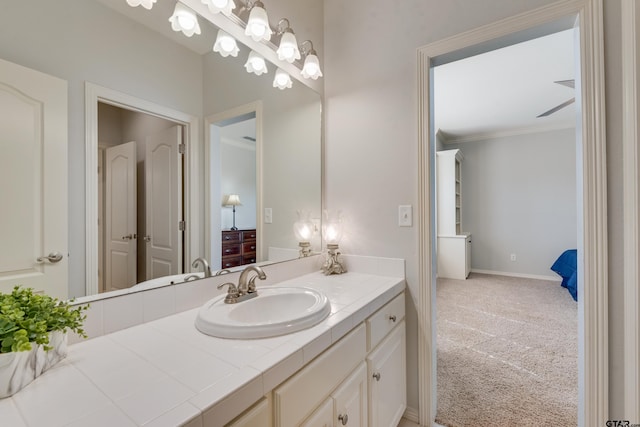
[120,217]
[33,181]
[163,188]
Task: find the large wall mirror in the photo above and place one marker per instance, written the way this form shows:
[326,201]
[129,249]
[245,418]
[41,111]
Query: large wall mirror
[242,137]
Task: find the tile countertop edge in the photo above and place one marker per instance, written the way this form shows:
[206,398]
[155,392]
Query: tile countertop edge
[227,398]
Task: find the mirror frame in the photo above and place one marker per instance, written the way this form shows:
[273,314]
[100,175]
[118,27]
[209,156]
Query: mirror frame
[94,94]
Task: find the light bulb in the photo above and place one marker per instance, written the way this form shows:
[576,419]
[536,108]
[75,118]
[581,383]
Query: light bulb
[258,23]
[288,49]
[185,20]
[225,44]
[147,4]
[256,64]
[282,80]
[218,6]
[311,68]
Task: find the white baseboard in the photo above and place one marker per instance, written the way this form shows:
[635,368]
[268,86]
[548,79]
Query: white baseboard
[524,276]
[412,415]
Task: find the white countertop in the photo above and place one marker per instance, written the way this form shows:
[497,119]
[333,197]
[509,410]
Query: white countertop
[166,373]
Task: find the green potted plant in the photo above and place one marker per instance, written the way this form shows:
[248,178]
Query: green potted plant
[33,338]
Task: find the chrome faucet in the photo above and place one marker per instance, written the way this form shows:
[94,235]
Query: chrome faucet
[246,288]
[205,266]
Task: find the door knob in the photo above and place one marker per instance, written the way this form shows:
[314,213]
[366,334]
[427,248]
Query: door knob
[127,237]
[147,238]
[392,318]
[344,419]
[53,257]
[377,376]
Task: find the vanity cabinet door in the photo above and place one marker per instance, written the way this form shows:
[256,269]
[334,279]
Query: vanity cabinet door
[387,380]
[259,415]
[350,400]
[322,417]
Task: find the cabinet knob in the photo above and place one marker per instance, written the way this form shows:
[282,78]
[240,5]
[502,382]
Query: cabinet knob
[392,318]
[377,376]
[344,419]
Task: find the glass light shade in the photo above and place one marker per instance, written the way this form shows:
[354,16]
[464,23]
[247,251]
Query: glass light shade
[303,227]
[147,4]
[185,20]
[232,200]
[288,49]
[220,6]
[332,228]
[311,67]
[282,80]
[258,24]
[225,45]
[255,64]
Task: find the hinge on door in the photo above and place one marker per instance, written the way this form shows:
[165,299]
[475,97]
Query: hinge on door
[181,225]
[181,148]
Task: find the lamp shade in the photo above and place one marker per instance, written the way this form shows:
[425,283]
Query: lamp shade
[256,64]
[303,228]
[282,80]
[232,200]
[185,20]
[258,23]
[147,4]
[225,45]
[288,48]
[311,67]
[220,6]
[332,228]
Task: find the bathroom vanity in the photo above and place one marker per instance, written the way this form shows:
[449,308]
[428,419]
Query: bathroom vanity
[349,369]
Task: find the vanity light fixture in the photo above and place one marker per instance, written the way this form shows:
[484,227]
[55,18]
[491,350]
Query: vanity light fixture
[258,24]
[288,48]
[282,80]
[220,6]
[304,229]
[233,200]
[225,45]
[185,20]
[332,233]
[311,67]
[147,4]
[256,64]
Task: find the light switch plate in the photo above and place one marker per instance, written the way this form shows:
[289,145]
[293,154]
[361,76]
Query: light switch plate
[405,216]
[268,216]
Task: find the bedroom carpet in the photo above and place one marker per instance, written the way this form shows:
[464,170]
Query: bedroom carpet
[507,352]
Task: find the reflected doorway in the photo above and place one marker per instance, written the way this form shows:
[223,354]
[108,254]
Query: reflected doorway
[140,197]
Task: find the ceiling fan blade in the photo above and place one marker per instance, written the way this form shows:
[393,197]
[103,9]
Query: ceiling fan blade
[558,107]
[568,83]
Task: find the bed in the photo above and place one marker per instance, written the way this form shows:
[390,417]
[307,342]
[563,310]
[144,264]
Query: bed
[567,267]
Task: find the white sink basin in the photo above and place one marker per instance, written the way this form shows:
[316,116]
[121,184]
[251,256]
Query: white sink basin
[275,311]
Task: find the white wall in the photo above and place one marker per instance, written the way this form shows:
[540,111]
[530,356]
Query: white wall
[79,41]
[238,172]
[371,144]
[519,197]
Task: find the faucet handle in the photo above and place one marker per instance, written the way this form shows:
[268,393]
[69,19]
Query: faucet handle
[232,293]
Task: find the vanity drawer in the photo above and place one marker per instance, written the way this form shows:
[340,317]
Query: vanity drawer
[297,397]
[249,259]
[248,248]
[384,320]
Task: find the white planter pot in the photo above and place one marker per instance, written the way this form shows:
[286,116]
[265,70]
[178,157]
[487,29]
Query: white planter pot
[19,369]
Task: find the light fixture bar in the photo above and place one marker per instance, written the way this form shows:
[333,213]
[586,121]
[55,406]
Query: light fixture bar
[234,26]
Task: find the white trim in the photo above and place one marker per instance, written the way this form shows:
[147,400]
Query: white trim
[452,139]
[593,259]
[520,275]
[631,205]
[411,414]
[251,107]
[95,93]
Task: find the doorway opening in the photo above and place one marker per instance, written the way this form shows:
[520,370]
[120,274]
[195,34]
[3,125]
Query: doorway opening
[140,197]
[587,17]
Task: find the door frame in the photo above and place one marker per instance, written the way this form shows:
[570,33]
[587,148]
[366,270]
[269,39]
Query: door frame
[593,400]
[94,94]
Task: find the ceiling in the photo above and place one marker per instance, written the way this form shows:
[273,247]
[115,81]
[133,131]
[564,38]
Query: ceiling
[502,91]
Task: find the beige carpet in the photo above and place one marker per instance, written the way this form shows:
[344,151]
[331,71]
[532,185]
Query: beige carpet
[507,352]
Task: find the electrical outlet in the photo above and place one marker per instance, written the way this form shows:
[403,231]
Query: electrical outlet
[268,216]
[513,257]
[405,217]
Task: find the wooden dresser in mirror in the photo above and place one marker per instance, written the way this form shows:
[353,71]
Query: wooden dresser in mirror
[238,247]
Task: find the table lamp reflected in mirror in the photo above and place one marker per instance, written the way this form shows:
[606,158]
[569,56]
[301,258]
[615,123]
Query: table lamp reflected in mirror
[232,200]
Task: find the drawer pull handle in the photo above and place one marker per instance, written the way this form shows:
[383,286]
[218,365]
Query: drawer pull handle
[344,419]
[377,376]
[392,318]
